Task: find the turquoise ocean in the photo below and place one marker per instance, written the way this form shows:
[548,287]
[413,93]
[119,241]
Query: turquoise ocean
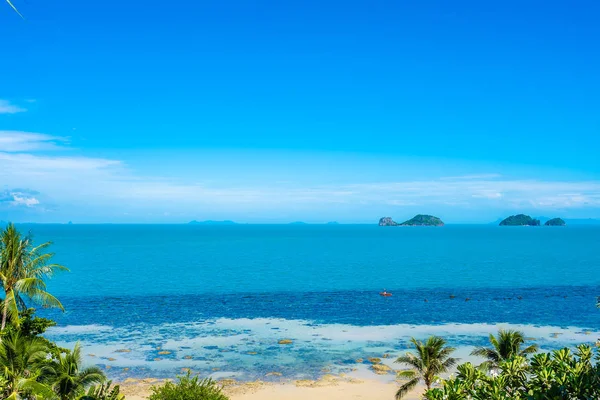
[150,300]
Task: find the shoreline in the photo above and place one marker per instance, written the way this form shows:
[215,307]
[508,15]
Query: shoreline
[325,388]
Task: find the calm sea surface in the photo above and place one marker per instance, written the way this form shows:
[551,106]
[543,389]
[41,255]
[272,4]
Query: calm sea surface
[218,298]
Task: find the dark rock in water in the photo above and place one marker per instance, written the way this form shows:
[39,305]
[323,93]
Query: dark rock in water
[387,221]
[423,220]
[520,220]
[555,222]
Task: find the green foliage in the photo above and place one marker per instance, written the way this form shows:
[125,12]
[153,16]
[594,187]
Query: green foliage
[32,367]
[23,367]
[520,220]
[103,392]
[428,361]
[507,345]
[188,388]
[23,271]
[561,374]
[67,376]
[555,222]
[31,326]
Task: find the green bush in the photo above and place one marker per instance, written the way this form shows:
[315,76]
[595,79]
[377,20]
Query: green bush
[561,374]
[188,388]
[104,391]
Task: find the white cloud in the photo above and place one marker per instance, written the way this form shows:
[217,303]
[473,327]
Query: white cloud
[17,141]
[7,107]
[19,197]
[101,185]
[29,163]
[25,201]
[471,177]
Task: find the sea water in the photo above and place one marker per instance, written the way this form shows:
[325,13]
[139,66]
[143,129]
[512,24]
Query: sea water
[149,300]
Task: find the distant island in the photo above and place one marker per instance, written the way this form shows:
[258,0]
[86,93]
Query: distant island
[520,220]
[555,222]
[387,221]
[417,220]
[332,223]
[210,222]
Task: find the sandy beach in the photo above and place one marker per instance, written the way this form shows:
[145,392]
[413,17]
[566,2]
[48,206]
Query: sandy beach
[324,389]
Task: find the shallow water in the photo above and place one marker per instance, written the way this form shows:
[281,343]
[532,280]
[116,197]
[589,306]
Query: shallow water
[220,297]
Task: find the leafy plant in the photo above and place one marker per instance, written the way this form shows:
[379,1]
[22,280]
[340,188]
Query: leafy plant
[188,388]
[429,360]
[69,379]
[562,374]
[23,269]
[104,391]
[22,368]
[507,345]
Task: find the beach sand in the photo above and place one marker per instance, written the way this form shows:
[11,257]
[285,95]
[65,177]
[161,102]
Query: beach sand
[324,389]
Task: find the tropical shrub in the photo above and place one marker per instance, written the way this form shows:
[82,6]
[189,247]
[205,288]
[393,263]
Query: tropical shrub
[104,392]
[68,377]
[188,388]
[32,367]
[561,374]
[23,368]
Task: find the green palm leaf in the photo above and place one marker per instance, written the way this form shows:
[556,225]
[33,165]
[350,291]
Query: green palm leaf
[428,360]
[23,271]
[504,347]
[406,388]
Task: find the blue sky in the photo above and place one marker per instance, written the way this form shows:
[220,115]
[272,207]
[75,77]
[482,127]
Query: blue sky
[270,111]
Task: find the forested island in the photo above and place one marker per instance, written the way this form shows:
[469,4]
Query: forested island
[520,220]
[526,220]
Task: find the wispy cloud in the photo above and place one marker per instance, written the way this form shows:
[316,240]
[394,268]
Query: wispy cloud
[18,141]
[7,107]
[470,177]
[103,185]
[19,198]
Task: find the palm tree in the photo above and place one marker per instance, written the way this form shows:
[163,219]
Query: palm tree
[22,368]
[69,378]
[429,360]
[504,347]
[23,269]
[105,391]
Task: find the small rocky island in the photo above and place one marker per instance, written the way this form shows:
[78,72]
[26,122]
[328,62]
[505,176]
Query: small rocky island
[555,222]
[417,220]
[520,220]
[387,221]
